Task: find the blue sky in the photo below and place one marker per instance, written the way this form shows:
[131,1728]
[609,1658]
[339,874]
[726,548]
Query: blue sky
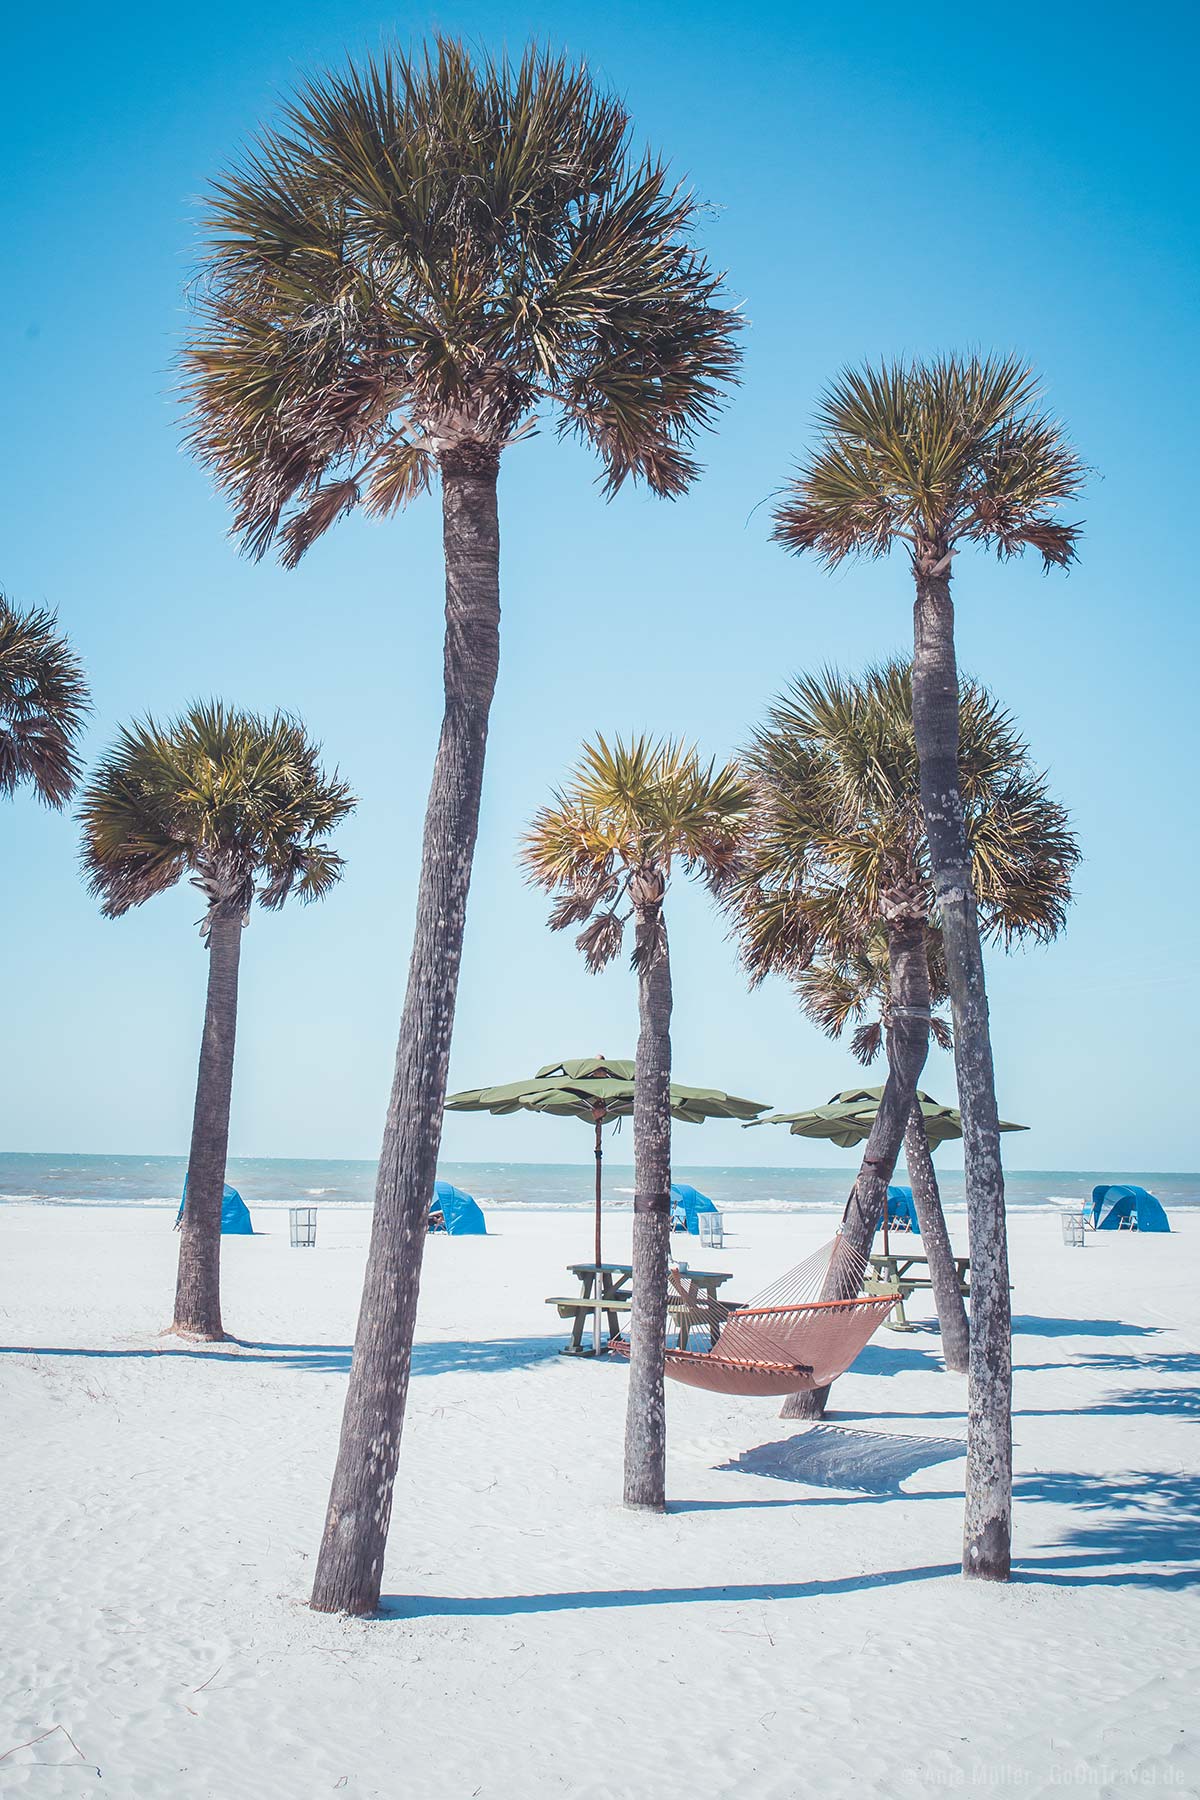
[1023,180]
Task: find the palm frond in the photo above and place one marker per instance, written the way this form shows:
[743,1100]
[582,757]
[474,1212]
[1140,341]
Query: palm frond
[631,809]
[836,836]
[232,800]
[601,941]
[44,700]
[422,253]
[932,454]
[867,1041]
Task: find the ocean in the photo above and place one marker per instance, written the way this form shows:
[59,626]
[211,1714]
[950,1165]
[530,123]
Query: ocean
[282,1181]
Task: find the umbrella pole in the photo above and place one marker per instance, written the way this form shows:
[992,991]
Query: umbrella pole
[599,1288]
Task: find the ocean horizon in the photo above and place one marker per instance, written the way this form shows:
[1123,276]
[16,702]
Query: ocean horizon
[89,1180]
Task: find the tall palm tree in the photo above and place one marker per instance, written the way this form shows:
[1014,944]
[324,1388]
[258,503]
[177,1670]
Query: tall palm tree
[238,804]
[935,456]
[628,817]
[834,890]
[854,987]
[422,258]
[43,702]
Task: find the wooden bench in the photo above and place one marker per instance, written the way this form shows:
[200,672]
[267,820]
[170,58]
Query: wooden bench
[615,1298]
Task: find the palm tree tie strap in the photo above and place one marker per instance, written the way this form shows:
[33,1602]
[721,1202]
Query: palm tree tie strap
[652,1203]
[910,1012]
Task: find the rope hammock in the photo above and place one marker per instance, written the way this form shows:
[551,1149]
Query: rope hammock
[802,1332]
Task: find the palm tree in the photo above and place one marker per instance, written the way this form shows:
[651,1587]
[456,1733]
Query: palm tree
[424,256]
[834,891]
[936,456]
[613,837]
[854,986]
[238,804]
[43,702]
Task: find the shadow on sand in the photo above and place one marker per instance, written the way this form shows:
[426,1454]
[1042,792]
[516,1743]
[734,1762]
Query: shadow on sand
[1030,1325]
[1157,1520]
[483,1356]
[871,1462]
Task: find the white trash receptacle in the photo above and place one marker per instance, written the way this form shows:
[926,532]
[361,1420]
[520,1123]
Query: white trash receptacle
[302,1225]
[712,1230]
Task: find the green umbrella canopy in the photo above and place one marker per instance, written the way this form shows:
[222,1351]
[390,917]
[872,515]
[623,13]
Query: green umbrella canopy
[597,1090]
[848,1118]
[579,1086]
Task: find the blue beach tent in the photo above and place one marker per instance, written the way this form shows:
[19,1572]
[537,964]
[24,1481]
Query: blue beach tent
[901,1209]
[462,1216]
[1119,1208]
[235,1214]
[687,1203]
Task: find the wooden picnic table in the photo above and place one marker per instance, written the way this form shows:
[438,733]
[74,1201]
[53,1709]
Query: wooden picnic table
[614,1295]
[904,1272]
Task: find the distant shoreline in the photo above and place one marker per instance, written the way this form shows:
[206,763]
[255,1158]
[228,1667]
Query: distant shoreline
[79,1180]
[1141,1173]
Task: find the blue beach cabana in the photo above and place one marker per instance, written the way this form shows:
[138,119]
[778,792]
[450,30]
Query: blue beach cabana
[901,1209]
[1118,1207]
[235,1214]
[461,1214]
[687,1203]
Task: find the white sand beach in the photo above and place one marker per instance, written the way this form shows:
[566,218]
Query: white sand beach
[796,1624]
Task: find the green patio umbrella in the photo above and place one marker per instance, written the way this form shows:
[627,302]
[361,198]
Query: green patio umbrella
[849,1116]
[597,1090]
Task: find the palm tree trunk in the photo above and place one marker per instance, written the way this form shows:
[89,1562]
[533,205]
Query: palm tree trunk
[198,1284]
[350,1564]
[908,1044]
[646,1410]
[987,1531]
[952,1314]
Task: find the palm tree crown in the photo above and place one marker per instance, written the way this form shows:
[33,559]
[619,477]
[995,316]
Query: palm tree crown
[235,801]
[838,829]
[43,702]
[423,253]
[628,814]
[936,454]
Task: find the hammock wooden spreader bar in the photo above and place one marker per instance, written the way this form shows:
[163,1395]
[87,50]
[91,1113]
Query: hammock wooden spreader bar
[802,1332]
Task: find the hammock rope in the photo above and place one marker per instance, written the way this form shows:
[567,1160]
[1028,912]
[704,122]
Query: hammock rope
[799,1333]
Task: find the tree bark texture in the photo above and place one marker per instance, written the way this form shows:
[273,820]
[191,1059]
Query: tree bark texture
[908,1044]
[198,1284]
[987,1531]
[939,1252]
[350,1564]
[646,1412]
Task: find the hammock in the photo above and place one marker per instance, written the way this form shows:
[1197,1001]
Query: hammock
[787,1339]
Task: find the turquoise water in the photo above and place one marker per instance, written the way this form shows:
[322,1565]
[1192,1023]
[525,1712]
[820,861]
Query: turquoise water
[158,1180]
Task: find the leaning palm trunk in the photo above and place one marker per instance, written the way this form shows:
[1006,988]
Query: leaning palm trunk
[908,1045]
[198,1285]
[939,1253]
[988,1523]
[350,1564]
[645,1415]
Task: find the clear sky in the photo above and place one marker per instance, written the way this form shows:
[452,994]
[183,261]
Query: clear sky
[881,182]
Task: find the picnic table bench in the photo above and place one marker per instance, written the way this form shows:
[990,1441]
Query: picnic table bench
[613,1296]
[904,1272]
